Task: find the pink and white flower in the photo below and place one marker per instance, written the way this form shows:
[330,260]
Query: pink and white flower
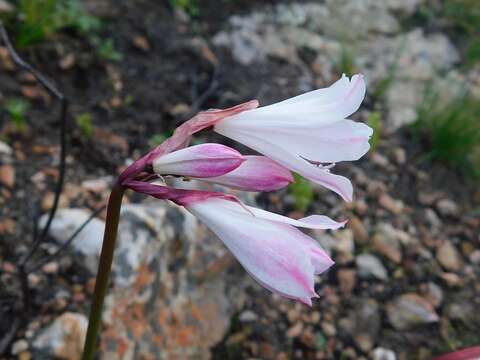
[280,257]
[303,132]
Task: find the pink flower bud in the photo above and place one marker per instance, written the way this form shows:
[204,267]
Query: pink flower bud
[200,161]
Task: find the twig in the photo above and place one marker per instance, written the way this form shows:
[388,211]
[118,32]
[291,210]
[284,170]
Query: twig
[66,243]
[212,87]
[48,85]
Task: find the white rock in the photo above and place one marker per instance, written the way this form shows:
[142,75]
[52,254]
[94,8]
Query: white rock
[64,338]
[383,354]
[370,266]
[87,243]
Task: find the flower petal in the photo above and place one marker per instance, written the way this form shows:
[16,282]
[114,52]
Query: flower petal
[256,173]
[280,257]
[292,161]
[204,160]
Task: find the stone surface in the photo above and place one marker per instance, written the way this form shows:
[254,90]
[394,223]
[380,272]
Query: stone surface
[369,266]
[172,295]
[449,257]
[383,354]
[410,310]
[64,338]
[87,243]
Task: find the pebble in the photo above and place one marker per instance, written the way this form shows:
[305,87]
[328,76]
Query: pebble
[347,280]
[64,338]
[433,294]
[50,267]
[360,233]
[399,155]
[432,218]
[369,266]
[7,175]
[396,207]
[447,207]
[448,257]
[388,247]
[380,353]
[248,316]
[295,330]
[410,310]
[19,346]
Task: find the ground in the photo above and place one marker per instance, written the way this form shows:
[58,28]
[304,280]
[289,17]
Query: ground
[407,264]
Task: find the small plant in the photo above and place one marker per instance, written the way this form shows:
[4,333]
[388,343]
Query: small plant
[41,19]
[191,7]
[375,122]
[302,192]
[85,124]
[346,62]
[106,49]
[17,108]
[452,130]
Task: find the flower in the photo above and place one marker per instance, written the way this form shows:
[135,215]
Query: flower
[276,254]
[306,131]
[307,134]
[270,248]
[201,161]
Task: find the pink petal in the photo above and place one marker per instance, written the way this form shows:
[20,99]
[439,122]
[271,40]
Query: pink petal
[204,160]
[257,173]
[280,257]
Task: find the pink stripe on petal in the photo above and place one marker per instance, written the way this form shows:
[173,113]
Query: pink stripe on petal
[277,255]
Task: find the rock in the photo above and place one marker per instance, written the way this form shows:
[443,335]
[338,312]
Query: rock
[447,207]
[7,175]
[370,266]
[475,257]
[394,206]
[295,330]
[345,242]
[410,310]
[386,241]
[19,346]
[433,294]
[367,324]
[6,7]
[400,155]
[88,242]
[346,280]
[172,296]
[248,316]
[432,218]
[5,149]
[360,233]
[462,311]
[64,338]
[449,257]
[383,354]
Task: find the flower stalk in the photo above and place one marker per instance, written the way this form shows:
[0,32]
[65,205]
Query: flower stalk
[104,269]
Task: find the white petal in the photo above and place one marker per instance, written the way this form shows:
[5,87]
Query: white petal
[292,161]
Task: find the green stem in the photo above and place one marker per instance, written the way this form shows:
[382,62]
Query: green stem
[104,268]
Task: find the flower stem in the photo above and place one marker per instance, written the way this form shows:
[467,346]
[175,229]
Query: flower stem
[104,268]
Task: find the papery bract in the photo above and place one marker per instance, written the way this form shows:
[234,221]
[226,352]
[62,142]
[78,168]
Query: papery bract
[302,132]
[201,161]
[256,173]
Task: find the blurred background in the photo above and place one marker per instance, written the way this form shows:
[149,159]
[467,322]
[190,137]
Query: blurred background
[406,280]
